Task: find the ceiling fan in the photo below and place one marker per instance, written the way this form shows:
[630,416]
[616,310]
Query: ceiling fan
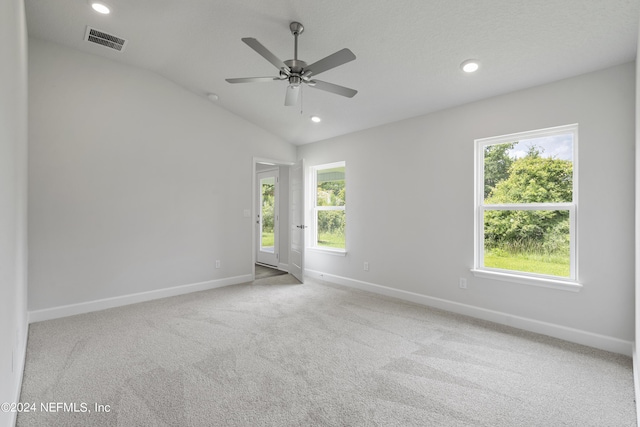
[297,72]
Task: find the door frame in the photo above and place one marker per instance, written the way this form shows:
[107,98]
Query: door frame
[254,207]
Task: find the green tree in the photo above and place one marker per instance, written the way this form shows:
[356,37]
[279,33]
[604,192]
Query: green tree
[535,179]
[268,205]
[531,179]
[331,193]
[496,165]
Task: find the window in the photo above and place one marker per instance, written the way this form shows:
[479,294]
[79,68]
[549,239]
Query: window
[526,205]
[329,207]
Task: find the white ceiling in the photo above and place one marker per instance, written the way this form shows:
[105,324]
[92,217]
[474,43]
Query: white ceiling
[408,51]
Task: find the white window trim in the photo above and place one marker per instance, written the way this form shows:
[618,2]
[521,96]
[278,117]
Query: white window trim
[479,270]
[524,279]
[313,230]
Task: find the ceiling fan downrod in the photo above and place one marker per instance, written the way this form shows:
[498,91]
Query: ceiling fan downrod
[296,66]
[296,29]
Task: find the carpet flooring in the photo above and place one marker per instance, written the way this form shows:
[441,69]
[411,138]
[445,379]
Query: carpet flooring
[277,353]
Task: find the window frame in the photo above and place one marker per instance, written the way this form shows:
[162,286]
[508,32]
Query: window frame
[315,209]
[537,279]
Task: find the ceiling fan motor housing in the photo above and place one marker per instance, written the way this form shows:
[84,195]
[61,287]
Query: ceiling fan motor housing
[297,68]
[295,80]
[295,65]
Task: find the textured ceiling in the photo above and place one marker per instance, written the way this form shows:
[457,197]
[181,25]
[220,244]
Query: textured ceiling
[408,51]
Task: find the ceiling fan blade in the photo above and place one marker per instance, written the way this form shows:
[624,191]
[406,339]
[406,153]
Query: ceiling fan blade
[330,87]
[265,53]
[291,98]
[252,79]
[340,57]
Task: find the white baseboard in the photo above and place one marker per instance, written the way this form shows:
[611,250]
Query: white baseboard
[102,304]
[590,339]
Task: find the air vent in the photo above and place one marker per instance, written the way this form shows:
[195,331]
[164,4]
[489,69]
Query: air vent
[108,40]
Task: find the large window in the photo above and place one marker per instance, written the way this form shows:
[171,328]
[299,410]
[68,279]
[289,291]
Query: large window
[329,206]
[526,204]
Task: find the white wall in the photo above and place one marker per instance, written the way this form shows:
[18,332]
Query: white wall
[136,185]
[13,197]
[410,210]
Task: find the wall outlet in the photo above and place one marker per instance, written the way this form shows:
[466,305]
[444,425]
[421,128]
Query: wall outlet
[217,263]
[463,283]
[366,266]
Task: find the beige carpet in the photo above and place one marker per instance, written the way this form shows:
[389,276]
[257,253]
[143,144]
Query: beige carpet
[276,353]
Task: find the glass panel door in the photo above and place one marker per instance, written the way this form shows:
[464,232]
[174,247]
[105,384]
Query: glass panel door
[267,232]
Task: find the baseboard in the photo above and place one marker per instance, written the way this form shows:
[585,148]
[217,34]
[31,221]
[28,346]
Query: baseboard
[636,381]
[103,304]
[590,339]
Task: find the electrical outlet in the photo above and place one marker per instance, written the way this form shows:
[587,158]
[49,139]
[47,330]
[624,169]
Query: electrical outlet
[217,263]
[463,283]
[366,266]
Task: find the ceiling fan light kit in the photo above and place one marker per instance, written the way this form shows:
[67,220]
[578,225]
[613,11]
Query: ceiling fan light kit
[297,72]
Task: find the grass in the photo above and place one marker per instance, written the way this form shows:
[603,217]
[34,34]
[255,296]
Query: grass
[267,239]
[530,262]
[331,240]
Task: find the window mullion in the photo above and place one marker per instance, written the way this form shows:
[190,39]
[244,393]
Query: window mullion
[529,207]
[330,208]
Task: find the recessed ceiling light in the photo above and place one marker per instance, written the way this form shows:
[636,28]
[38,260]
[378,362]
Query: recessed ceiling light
[470,65]
[316,119]
[100,8]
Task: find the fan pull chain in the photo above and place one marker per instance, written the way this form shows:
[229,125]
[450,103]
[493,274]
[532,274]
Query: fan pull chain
[301,98]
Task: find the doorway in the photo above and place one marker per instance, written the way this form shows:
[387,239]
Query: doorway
[276,255]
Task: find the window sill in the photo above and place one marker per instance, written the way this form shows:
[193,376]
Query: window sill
[336,252]
[562,285]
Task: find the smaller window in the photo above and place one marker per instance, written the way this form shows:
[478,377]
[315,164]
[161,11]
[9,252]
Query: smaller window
[329,204]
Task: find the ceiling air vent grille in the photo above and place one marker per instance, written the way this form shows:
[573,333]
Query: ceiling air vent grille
[100,37]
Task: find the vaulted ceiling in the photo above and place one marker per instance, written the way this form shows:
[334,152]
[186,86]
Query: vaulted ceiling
[408,51]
